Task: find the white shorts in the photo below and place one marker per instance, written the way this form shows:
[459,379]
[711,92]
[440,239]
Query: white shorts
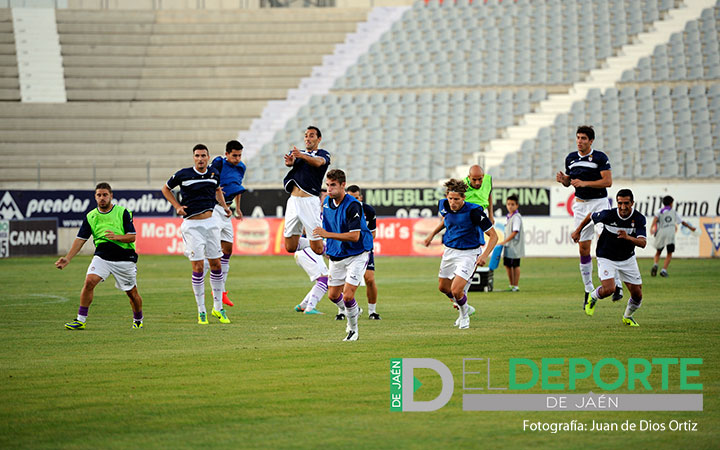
[302,212]
[226,225]
[125,272]
[582,209]
[627,270]
[202,238]
[459,262]
[349,270]
[664,237]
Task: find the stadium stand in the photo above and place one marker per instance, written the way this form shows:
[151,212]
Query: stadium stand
[9,84]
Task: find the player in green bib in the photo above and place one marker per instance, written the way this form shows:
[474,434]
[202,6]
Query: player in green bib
[113,233]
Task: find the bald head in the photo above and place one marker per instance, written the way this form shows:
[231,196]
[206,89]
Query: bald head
[476,176]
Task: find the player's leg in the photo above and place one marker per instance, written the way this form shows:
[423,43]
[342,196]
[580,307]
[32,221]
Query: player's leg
[656,259]
[136,305]
[314,267]
[194,240]
[227,248]
[516,274]
[371,288]
[354,270]
[606,272]
[668,258]
[509,270]
[213,253]
[465,263]
[633,280]
[336,283]
[125,273]
[98,271]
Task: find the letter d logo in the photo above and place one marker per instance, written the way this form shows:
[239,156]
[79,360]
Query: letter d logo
[402,382]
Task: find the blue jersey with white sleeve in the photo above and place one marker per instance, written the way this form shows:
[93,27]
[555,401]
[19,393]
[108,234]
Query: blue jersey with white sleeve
[231,177]
[345,217]
[587,168]
[307,177]
[197,190]
[609,245]
[464,228]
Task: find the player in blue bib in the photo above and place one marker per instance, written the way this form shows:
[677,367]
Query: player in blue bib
[465,224]
[349,243]
[369,277]
[232,173]
[624,230]
[588,171]
[199,192]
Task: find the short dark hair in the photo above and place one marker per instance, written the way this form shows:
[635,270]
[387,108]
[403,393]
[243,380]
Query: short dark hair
[514,198]
[201,147]
[336,175]
[354,188]
[667,200]
[454,185]
[233,145]
[103,185]
[587,130]
[317,130]
[625,193]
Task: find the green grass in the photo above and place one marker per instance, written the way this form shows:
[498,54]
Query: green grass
[275,378]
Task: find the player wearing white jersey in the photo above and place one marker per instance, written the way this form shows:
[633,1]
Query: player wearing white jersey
[663,227]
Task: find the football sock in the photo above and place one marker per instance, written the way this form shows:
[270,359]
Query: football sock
[317,292]
[371,308]
[198,285]
[225,266]
[586,269]
[82,313]
[339,303]
[352,313]
[303,304]
[138,316]
[217,285]
[632,306]
[595,294]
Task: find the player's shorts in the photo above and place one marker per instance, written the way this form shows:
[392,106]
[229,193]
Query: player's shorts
[582,208]
[226,225]
[371,261]
[665,237]
[511,262]
[202,238]
[125,272]
[459,262]
[302,212]
[348,270]
[627,270]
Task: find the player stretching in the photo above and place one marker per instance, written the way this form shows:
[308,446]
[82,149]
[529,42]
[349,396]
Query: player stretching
[588,171]
[348,245]
[624,230]
[303,209]
[663,227]
[113,233]
[232,172]
[371,286]
[465,224]
[199,192]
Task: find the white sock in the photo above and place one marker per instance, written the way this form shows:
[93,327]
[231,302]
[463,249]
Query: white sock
[316,294]
[371,308]
[586,274]
[225,266]
[304,303]
[217,285]
[198,286]
[81,318]
[632,306]
[352,317]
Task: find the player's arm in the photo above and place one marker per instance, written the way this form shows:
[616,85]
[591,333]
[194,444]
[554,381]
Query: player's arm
[490,209]
[576,234]
[167,193]
[315,161]
[220,197]
[639,241]
[509,238]
[687,225]
[604,182]
[492,234]
[128,228]
[74,249]
[653,227]
[348,236]
[238,213]
[563,179]
[437,229]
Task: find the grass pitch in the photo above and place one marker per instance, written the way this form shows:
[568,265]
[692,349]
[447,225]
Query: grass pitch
[277,379]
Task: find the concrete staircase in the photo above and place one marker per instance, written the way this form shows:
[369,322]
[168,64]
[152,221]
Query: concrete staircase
[9,84]
[143,87]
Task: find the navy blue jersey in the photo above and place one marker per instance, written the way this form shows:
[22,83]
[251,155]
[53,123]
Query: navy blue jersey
[109,251]
[197,190]
[307,177]
[231,177]
[587,168]
[611,247]
[464,228]
[345,217]
[370,217]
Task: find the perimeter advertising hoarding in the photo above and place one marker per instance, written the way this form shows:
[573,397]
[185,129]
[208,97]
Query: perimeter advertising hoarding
[28,237]
[404,237]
